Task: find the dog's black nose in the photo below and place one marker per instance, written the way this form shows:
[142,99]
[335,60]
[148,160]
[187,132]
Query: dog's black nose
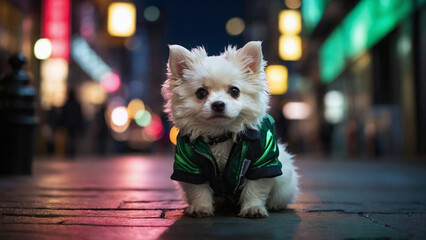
[218,106]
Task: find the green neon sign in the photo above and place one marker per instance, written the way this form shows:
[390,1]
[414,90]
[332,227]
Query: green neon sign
[364,26]
[312,11]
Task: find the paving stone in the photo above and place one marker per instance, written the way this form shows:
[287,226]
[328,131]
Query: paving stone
[36,231]
[73,203]
[229,226]
[360,208]
[154,205]
[412,224]
[85,220]
[328,225]
[332,225]
[81,213]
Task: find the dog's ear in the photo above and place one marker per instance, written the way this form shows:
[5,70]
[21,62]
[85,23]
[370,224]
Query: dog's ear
[179,58]
[251,55]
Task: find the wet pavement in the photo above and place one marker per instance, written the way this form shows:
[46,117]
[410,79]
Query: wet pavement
[132,197]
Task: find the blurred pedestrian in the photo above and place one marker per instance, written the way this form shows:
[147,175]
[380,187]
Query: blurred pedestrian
[72,120]
[49,130]
[102,133]
[326,136]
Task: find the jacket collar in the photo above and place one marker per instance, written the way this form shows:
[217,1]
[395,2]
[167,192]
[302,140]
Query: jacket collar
[248,134]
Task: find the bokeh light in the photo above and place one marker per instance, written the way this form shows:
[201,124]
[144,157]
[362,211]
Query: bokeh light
[334,102]
[121,19]
[235,26]
[54,75]
[290,47]
[119,116]
[296,110]
[277,77]
[134,106]
[42,48]
[110,82]
[93,93]
[143,118]
[155,128]
[290,22]
[293,4]
[151,13]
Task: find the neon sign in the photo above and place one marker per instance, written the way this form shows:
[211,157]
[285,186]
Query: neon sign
[56,26]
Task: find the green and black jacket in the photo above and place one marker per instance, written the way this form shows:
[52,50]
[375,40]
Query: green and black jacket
[253,156]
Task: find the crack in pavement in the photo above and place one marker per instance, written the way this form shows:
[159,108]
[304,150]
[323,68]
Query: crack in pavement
[367,216]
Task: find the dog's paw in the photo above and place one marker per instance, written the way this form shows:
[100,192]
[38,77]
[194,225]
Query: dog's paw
[199,211]
[277,207]
[254,212]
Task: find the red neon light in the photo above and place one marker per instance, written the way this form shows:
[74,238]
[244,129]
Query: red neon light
[56,26]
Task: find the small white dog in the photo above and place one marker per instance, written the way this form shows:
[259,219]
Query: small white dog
[226,149]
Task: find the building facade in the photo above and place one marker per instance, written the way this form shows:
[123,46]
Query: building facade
[372,54]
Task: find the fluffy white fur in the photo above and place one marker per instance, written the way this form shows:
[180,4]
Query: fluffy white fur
[189,71]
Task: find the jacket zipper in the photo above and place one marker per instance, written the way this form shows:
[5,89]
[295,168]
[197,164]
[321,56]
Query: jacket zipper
[208,157]
[228,163]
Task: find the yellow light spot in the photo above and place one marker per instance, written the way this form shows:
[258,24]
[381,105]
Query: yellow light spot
[54,74]
[134,106]
[235,26]
[42,49]
[290,47]
[293,4]
[290,22]
[277,77]
[93,93]
[121,19]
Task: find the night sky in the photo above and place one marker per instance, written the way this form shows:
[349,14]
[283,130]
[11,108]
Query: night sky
[192,23]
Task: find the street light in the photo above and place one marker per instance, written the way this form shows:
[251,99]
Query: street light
[121,19]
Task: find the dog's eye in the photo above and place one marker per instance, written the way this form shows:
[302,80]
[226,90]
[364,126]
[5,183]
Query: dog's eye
[201,93]
[234,92]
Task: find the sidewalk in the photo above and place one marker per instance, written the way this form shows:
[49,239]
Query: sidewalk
[132,197]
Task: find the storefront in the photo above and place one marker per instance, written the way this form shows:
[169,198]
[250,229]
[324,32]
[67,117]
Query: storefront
[372,59]
[19,26]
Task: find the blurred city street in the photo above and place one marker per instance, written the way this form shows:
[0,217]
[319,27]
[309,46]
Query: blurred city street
[132,197]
